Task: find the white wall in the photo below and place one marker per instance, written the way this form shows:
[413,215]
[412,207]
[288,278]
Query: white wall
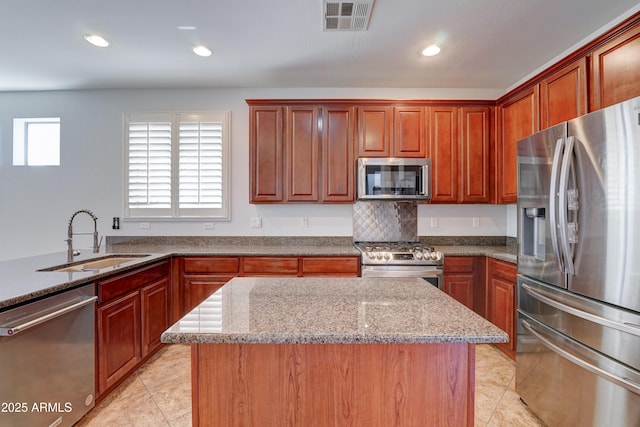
[36,202]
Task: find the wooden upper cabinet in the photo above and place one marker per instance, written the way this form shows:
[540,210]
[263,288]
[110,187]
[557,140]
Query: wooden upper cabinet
[475,152]
[302,153]
[386,131]
[443,151]
[615,70]
[338,164]
[375,131]
[517,118]
[410,124]
[563,95]
[266,156]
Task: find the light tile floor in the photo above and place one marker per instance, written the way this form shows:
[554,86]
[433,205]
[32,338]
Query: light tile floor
[159,394]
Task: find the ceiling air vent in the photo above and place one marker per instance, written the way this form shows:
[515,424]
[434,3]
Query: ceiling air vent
[346,15]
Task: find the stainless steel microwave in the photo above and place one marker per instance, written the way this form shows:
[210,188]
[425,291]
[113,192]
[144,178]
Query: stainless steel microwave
[393,179]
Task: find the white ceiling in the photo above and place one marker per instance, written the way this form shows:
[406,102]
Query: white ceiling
[489,44]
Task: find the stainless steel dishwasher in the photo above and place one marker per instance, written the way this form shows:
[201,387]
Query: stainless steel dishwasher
[47,362]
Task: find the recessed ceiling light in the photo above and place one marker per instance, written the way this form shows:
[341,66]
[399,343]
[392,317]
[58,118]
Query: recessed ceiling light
[202,51]
[187,27]
[96,40]
[431,50]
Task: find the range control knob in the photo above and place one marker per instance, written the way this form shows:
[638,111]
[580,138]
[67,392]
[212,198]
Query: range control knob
[379,255]
[371,255]
[418,255]
[387,256]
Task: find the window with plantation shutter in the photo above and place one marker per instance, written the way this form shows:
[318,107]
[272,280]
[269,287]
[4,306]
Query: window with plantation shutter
[177,165]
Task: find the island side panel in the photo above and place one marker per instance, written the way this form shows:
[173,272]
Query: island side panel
[331,384]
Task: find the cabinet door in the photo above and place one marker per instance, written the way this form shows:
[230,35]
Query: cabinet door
[459,275]
[265,154]
[475,151]
[615,70]
[302,153]
[154,299]
[518,118]
[338,167]
[410,132]
[502,301]
[375,131]
[460,288]
[119,346]
[197,287]
[563,95]
[443,151]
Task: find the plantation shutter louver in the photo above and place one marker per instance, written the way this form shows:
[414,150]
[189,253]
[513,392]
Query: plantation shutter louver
[177,165]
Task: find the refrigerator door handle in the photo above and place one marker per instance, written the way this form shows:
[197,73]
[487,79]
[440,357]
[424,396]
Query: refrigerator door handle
[567,162]
[553,206]
[623,382]
[629,328]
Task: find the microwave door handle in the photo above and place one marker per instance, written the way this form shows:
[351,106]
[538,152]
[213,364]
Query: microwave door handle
[553,206]
[563,212]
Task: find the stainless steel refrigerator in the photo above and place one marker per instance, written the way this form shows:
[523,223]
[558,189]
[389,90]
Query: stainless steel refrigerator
[578,340]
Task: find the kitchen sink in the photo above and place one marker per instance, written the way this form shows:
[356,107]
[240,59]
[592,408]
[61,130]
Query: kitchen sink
[95,264]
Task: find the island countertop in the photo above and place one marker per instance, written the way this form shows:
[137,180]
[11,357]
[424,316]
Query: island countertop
[331,311]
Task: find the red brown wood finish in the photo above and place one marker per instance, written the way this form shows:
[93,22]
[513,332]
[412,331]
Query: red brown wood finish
[443,151]
[375,131]
[563,95]
[501,289]
[517,118]
[333,385]
[410,137]
[475,155]
[132,312]
[266,156]
[302,153]
[615,69]
[338,171]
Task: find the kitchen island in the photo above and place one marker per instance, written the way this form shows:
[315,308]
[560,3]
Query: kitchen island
[318,352]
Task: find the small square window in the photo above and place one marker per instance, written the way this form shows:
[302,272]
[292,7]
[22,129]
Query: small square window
[36,142]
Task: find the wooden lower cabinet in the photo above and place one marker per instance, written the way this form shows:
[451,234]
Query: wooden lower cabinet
[119,344]
[132,312]
[464,280]
[501,292]
[202,276]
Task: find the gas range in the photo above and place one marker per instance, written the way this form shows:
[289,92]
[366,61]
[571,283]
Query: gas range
[399,253]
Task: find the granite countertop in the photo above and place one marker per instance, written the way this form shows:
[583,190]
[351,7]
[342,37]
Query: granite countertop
[331,311]
[21,281]
[503,253]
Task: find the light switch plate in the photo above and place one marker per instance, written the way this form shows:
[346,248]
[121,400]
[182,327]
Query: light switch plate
[256,222]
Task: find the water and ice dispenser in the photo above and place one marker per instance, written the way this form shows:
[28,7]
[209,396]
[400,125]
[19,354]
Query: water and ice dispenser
[533,238]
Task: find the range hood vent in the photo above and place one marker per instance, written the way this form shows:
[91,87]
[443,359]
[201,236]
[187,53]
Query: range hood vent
[346,15]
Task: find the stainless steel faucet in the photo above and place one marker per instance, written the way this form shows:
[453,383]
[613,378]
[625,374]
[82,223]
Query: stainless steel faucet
[96,245]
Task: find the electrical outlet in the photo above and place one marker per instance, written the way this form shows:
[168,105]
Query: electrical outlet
[434,222]
[207,226]
[256,222]
[304,221]
[476,222]
[144,225]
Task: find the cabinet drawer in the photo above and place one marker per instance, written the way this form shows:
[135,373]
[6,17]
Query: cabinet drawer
[458,264]
[502,270]
[123,283]
[269,265]
[317,266]
[211,265]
